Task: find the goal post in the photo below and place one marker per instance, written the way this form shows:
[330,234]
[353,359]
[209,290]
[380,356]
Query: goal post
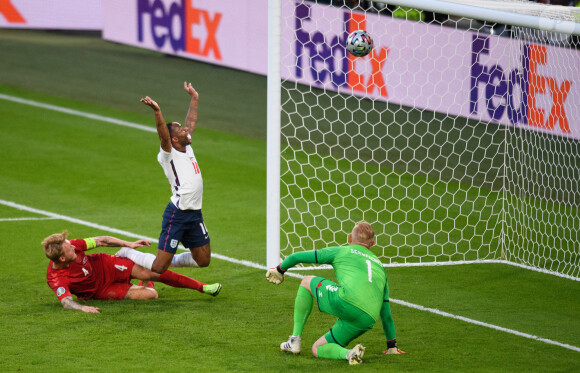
[273,135]
[457,138]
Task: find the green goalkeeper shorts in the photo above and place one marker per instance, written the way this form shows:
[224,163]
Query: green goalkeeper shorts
[352,321]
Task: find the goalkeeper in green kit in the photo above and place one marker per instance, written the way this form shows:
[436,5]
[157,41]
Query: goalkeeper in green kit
[358,300]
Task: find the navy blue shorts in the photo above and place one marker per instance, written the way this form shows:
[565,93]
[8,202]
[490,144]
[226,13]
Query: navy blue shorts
[185,226]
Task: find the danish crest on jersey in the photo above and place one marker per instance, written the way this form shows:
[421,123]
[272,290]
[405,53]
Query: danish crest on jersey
[173,244]
[60,291]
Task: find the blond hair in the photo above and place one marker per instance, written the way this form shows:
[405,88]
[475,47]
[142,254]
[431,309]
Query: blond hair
[363,232]
[53,245]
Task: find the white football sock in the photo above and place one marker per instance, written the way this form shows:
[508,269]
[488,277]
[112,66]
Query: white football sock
[143,259]
[183,260]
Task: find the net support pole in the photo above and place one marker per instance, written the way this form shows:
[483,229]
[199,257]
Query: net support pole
[273,135]
[491,15]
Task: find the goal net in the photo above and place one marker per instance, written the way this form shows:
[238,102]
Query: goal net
[457,139]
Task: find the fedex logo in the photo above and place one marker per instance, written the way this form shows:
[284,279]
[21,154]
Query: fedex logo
[174,24]
[504,85]
[9,11]
[325,58]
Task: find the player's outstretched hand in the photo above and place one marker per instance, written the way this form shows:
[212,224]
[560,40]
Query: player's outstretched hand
[139,243]
[274,276]
[149,102]
[89,309]
[393,351]
[189,89]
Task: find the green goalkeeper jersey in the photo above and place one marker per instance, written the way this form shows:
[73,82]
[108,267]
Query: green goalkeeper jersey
[360,274]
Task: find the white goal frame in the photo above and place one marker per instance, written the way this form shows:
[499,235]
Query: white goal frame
[274,103]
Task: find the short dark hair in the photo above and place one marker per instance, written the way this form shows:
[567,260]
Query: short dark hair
[170,129]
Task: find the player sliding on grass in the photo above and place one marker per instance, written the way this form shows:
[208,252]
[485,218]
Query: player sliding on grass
[358,300]
[182,219]
[104,276]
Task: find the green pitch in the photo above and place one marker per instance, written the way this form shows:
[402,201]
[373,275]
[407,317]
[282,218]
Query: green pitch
[104,174]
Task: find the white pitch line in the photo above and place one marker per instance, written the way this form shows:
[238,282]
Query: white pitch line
[262,267]
[481,323]
[77,113]
[24,219]
[53,215]
[219,256]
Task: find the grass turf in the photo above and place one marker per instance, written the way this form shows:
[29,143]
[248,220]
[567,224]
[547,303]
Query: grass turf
[108,175]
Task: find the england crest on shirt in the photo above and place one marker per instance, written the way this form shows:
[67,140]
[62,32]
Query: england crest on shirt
[173,244]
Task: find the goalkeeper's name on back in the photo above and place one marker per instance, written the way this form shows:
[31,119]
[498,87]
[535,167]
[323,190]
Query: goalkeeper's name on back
[355,251]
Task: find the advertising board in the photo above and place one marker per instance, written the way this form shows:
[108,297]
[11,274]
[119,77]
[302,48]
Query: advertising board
[51,14]
[462,73]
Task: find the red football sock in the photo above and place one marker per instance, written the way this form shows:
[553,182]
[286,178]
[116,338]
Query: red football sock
[177,280]
[150,284]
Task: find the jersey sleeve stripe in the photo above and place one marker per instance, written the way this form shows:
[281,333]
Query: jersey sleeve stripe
[175,173]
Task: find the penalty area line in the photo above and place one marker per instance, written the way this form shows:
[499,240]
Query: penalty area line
[26,219]
[77,113]
[52,215]
[484,324]
[262,267]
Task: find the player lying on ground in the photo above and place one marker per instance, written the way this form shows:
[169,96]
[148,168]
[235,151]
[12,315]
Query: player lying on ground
[358,300]
[104,276]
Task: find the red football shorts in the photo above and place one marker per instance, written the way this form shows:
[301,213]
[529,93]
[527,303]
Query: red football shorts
[115,277]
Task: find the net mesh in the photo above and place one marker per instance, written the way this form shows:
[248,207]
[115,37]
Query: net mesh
[456,139]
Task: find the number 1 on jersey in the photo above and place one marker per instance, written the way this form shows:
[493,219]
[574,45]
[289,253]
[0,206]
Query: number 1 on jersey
[370,270]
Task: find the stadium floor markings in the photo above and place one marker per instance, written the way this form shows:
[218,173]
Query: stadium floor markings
[77,113]
[26,219]
[248,263]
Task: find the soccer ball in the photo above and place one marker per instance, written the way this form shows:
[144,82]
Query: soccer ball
[359,43]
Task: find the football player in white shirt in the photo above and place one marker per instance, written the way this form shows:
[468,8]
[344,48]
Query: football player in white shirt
[182,219]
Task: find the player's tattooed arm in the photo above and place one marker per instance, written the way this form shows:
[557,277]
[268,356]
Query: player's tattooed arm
[108,241]
[191,118]
[69,303]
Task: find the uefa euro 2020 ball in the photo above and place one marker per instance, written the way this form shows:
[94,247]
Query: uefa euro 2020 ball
[359,43]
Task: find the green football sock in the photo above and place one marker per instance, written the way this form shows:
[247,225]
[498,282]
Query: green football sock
[332,351]
[302,309]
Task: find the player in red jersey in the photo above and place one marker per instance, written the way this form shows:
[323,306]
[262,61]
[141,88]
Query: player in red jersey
[104,276]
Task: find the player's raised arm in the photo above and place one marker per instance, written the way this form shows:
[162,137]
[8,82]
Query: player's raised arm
[69,303]
[162,130]
[108,241]
[191,119]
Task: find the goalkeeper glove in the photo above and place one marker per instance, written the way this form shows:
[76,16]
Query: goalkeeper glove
[392,348]
[275,275]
